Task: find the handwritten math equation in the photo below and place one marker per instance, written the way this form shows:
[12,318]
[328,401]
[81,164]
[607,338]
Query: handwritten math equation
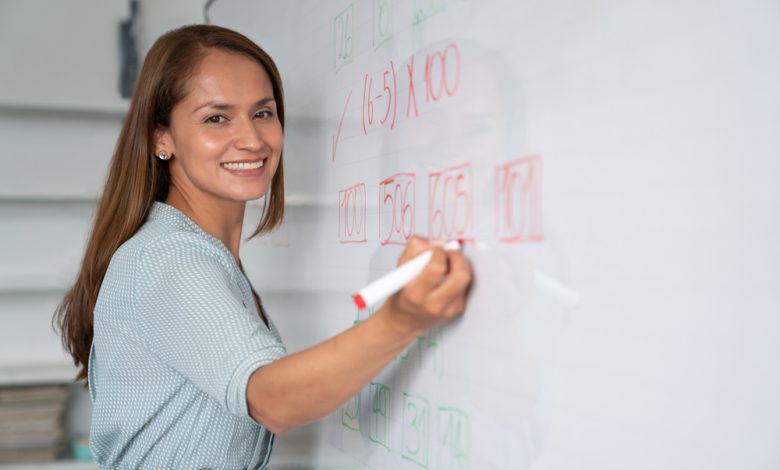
[419,83]
[517,208]
[422,84]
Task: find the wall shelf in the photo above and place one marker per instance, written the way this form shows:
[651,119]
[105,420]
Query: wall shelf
[116,110]
[302,200]
[56,465]
[60,372]
[30,283]
[48,199]
[290,200]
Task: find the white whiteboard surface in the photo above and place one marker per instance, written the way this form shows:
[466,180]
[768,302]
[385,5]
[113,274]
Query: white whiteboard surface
[628,150]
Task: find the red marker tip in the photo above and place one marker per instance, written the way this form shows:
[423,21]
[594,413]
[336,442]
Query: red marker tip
[361,304]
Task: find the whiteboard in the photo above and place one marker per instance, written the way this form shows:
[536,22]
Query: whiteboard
[626,152]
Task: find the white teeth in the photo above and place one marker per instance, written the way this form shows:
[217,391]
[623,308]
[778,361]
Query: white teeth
[243,166]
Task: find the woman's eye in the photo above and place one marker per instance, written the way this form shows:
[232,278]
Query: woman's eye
[215,119]
[263,114]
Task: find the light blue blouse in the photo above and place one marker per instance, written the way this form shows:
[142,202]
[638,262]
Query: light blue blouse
[176,337]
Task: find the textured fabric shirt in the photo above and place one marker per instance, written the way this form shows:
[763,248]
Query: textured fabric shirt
[176,337]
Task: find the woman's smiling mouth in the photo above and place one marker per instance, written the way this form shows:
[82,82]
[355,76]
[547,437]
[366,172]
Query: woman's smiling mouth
[239,166]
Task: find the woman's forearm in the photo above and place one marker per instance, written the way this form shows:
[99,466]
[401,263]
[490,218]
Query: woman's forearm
[307,385]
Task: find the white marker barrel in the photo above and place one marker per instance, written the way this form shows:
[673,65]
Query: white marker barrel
[396,279]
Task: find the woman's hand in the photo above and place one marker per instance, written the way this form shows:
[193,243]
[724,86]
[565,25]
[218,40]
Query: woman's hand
[311,383]
[434,297]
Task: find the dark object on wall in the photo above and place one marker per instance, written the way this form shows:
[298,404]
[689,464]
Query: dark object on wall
[128,52]
[206,7]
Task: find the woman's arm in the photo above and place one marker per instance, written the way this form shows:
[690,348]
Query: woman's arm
[310,384]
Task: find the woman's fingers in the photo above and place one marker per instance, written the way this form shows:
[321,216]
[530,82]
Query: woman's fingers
[440,291]
[414,247]
[420,288]
[449,297]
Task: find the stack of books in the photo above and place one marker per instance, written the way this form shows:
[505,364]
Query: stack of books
[31,426]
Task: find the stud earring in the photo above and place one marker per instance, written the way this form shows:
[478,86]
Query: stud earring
[163,155]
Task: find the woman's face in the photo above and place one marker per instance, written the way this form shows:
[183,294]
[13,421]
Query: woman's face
[225,135]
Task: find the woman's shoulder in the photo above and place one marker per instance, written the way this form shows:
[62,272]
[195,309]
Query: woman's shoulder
[159,241]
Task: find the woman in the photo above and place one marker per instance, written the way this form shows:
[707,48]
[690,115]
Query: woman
[185,369]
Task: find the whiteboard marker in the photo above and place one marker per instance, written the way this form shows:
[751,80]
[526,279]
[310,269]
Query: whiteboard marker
[396,279]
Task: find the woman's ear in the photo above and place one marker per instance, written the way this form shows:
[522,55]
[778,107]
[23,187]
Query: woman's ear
[163,141]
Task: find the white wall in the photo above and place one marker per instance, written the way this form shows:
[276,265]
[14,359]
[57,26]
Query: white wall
[158,17]
[60,53]
[60,115]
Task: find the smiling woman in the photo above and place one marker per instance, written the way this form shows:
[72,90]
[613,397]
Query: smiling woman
[227,134]
[184,367]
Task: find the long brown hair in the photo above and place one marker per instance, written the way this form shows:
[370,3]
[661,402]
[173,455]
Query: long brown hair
[136,179]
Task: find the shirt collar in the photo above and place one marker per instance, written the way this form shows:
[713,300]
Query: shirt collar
[163,212]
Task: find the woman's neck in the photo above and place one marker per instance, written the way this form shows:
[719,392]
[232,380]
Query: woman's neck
[220,219]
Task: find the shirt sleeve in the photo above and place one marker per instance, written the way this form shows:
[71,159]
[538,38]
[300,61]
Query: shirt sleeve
[189,313]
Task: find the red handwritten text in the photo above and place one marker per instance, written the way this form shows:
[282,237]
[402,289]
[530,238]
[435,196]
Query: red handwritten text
[519,200]
[396,209]
[451,204]
[438,77]
[352,214]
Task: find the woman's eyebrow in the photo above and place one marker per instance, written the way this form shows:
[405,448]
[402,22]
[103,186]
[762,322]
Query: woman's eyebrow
[228,107]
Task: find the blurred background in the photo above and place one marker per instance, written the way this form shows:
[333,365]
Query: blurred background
[63,69]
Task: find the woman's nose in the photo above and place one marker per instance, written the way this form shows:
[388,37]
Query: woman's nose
[248,136]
